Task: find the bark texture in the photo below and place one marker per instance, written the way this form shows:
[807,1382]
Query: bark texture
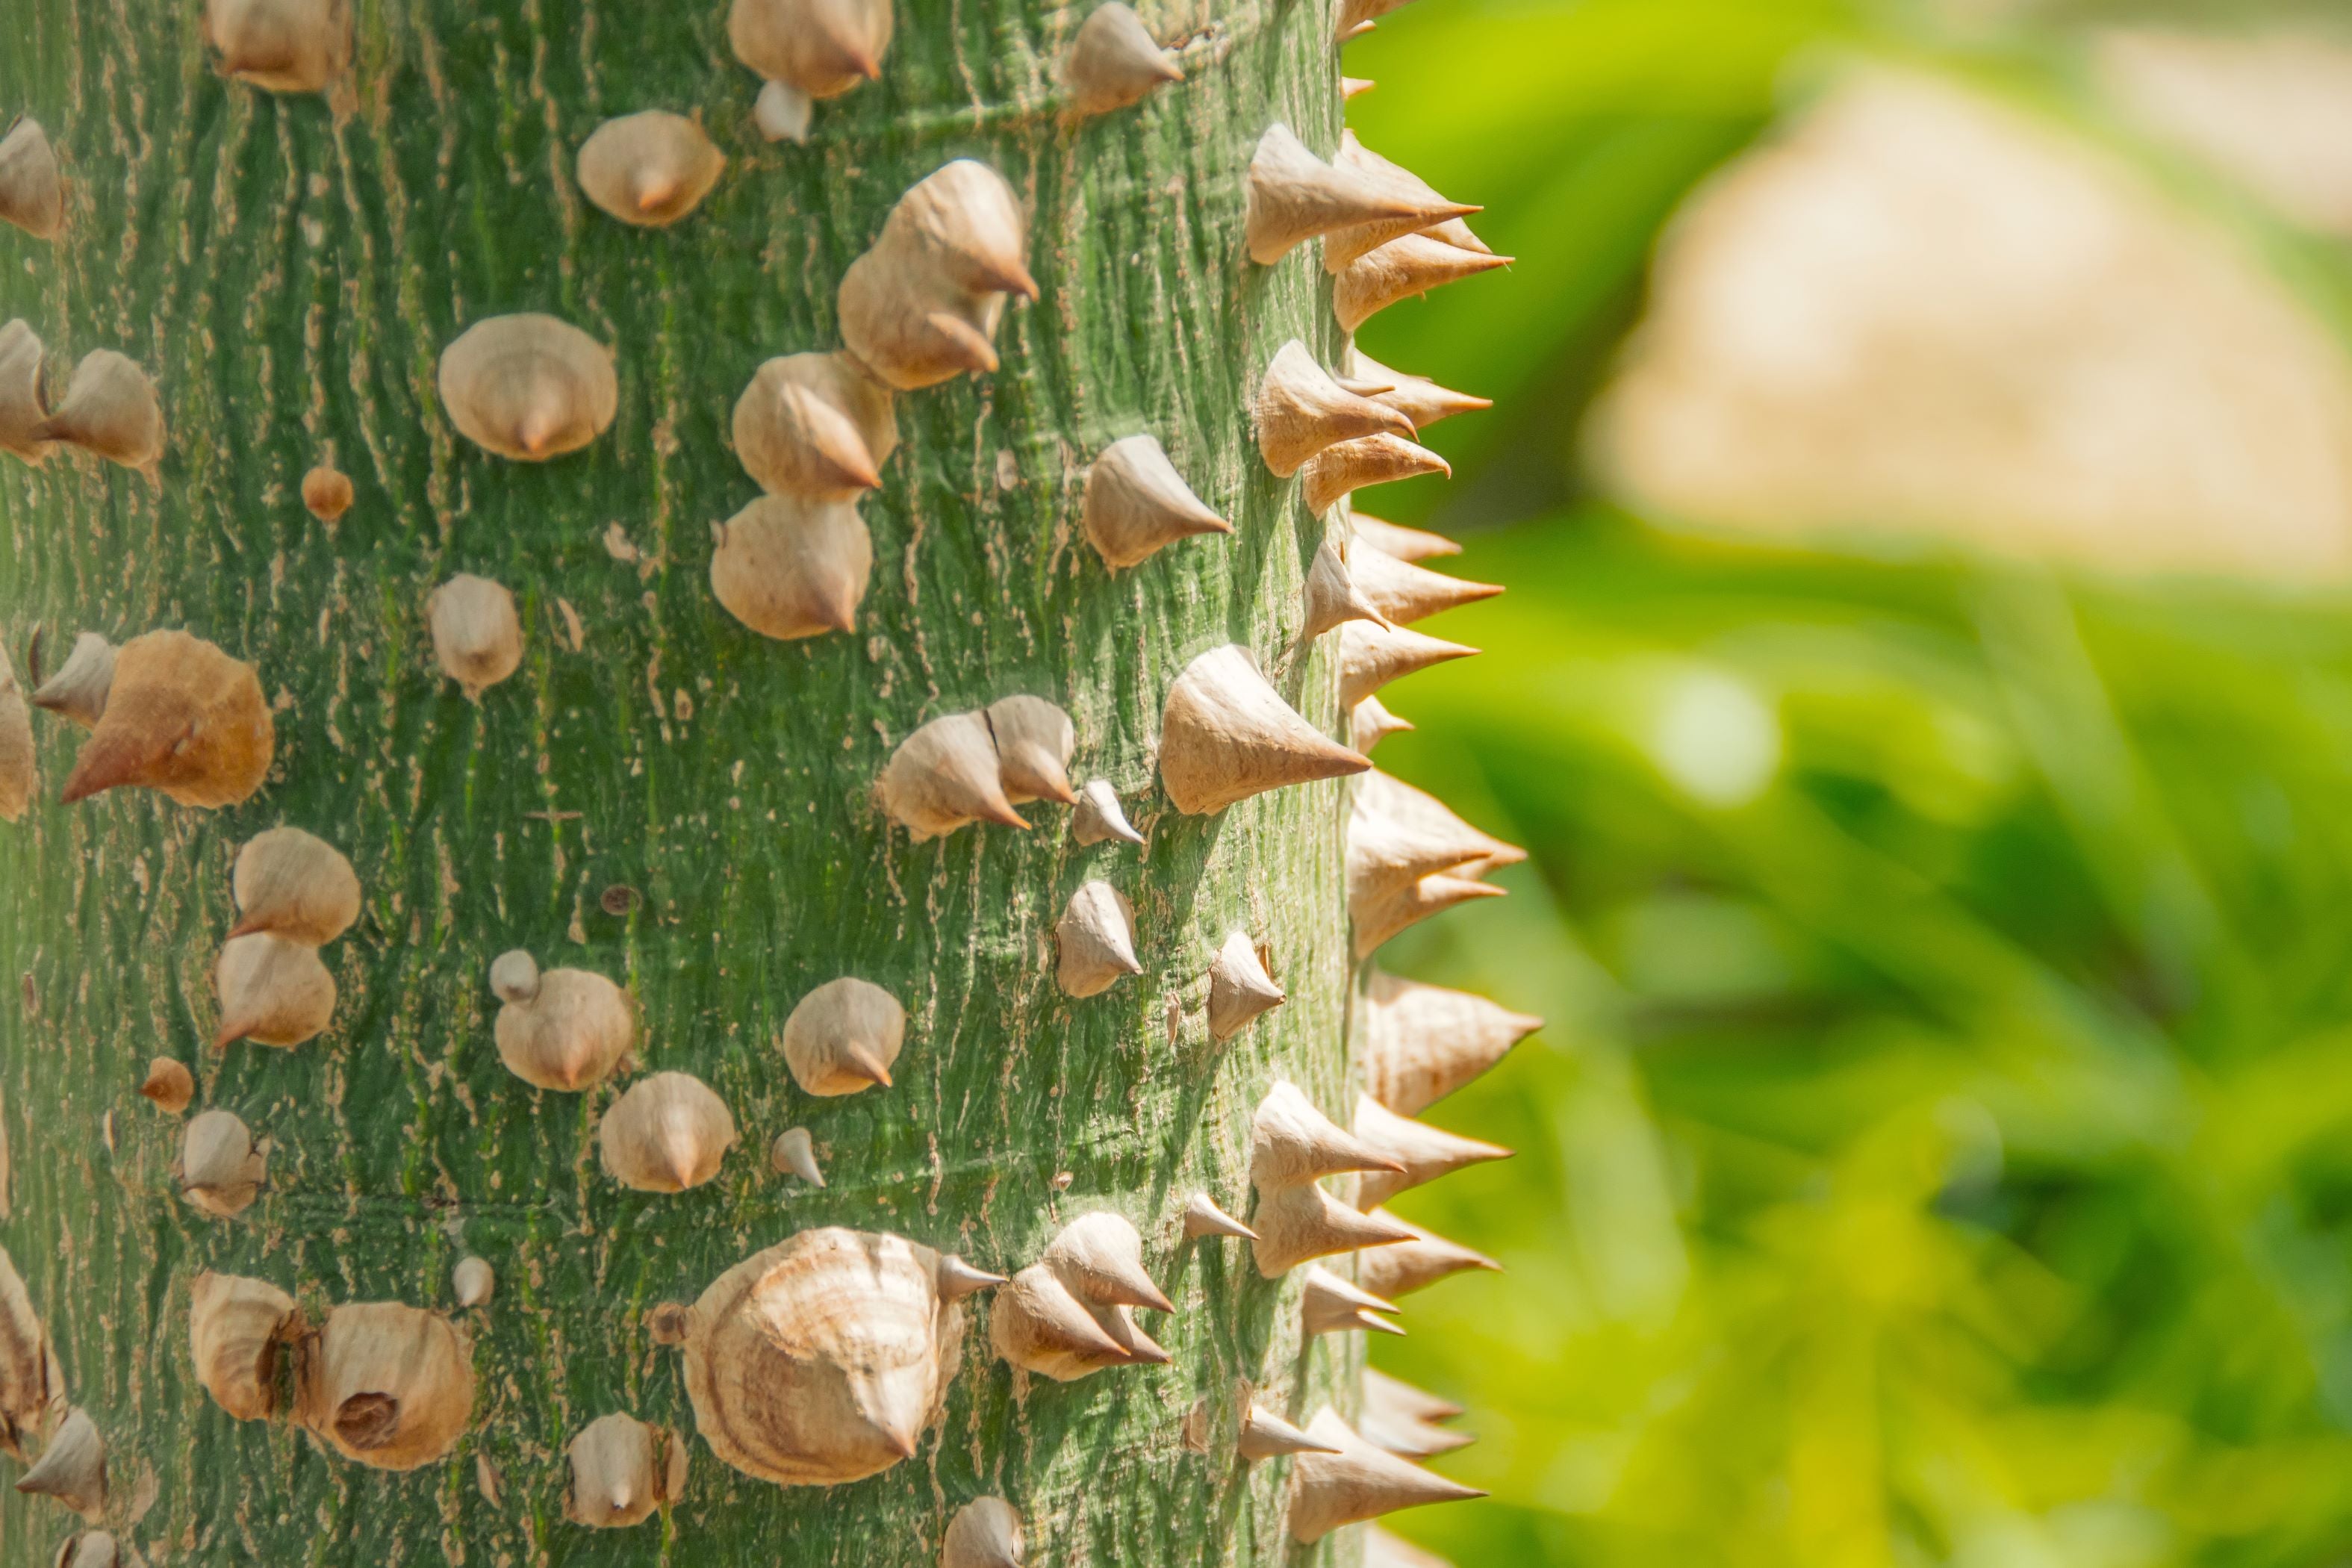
[658,795]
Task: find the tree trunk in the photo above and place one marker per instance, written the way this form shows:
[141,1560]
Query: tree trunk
[658,795]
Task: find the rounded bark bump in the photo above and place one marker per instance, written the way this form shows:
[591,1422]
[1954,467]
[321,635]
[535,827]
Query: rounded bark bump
[821,1359]
[667,1134]
[844,1037]
[385,1384]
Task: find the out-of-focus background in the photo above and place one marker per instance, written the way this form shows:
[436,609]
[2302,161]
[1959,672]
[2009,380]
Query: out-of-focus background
[1922,468]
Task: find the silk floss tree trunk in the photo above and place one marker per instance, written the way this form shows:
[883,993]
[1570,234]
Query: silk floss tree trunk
[691,868]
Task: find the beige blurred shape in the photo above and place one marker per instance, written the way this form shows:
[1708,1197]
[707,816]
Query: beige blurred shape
[1924,312]
[2271,110]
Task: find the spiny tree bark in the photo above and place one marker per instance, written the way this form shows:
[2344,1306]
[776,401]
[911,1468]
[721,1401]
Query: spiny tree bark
[657,795]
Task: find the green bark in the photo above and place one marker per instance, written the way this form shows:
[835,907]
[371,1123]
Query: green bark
[290,281]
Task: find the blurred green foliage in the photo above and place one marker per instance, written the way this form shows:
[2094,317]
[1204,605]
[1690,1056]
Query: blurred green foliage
[1939,1152]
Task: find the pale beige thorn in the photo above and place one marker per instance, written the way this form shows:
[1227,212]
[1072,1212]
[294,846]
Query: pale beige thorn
[781,112]
[295,884]
[1364,385]
[1382,1549]
[895,1408]
[1035,740]
[1369,723]
[844,1037]
[1408,1439]
[668,1133]
[473,1281]
[946,774]
[1352,1319]
[19,774]
[963,223]
[1240,989]
[622,1471]
[1420,1259]
[1357,1482]
[565,1030]
[1403,269]
[1403,592]
[32,190]
[238,1328]
[1452,843]
[1298,1224]
[1416,398]
[273,991]
[1119,1323]
[1354,87]
[182,717]
[816,425]
[477,635]
[219,1170]
[32,1383]
[385,1384]
[649,169]
[528,386]
[1404,1420]
[514,976]
[1397,835]
[1395,1399]
[1300,410]
[861,1060]
[280,45]
[169,1084]
[1293,1143]
[110,409]
[985,1533]
[1351,32]
[1037,1324]
[91,1549]
[24,394]
[823,1359]
[72,1466]
[1356,16]
[1422,1042]
[1341,249]
[1115,62]
[955,1279]
[791,567]
[1266,1436]
[1404,543]
[77,692]
[1329,1305]
[911,327]
[1338,471]
[1330,596]
[1379,919]
[792,1153]
[1202,1217]
[1099,818]
[1137,504]
[1428,1152]
[1294,197]
[1095,940]
[1100,1257]
[1458,234]
[1371,657]
[819,51]
[1225,734]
